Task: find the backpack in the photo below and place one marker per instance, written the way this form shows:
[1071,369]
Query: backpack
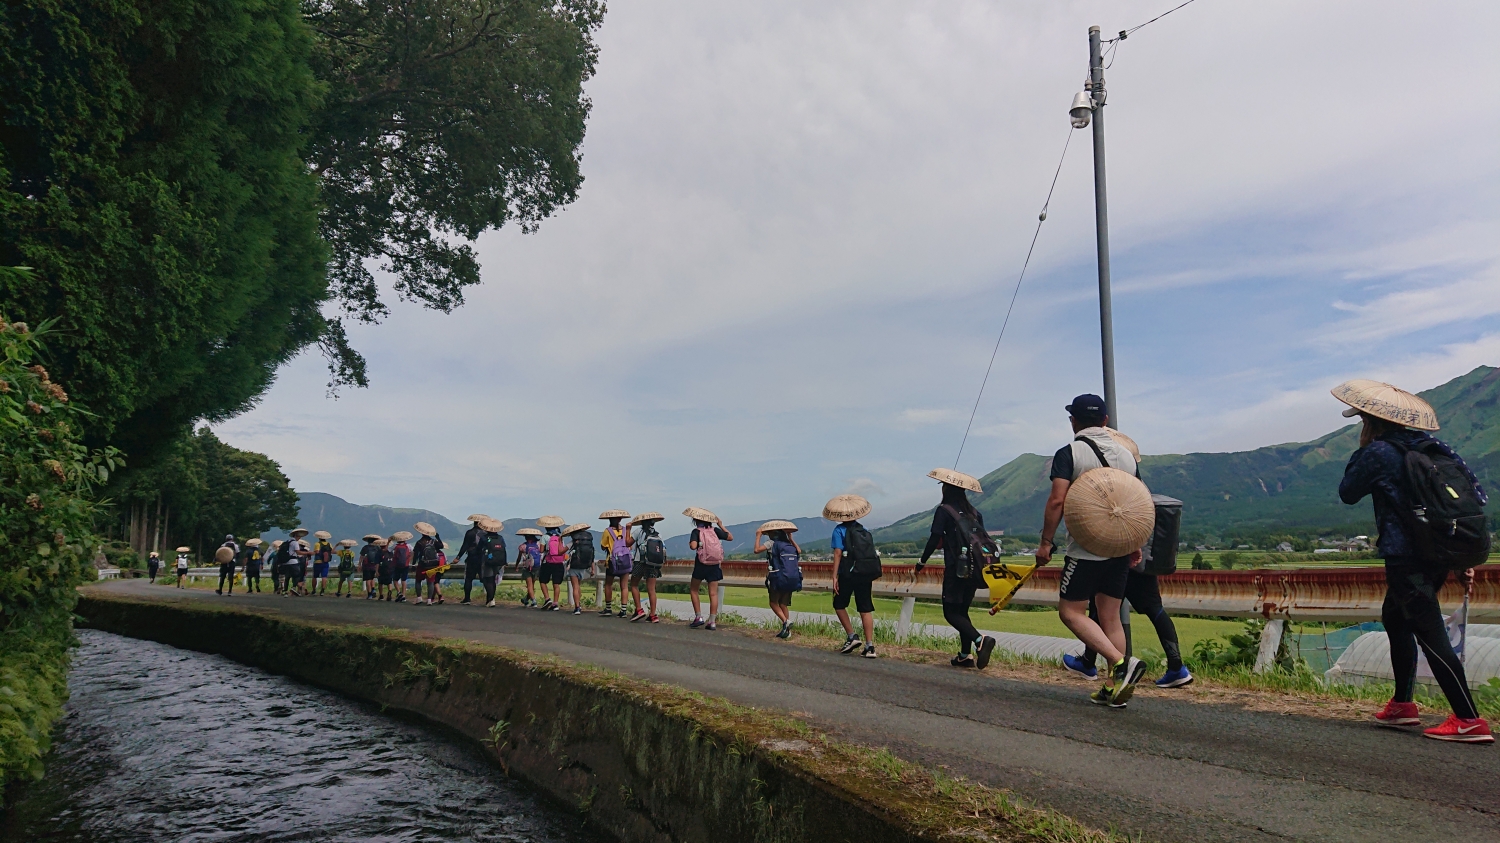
[554,548]
[1448,527]
[978,549]
[401,556]
[656,551]
[859,549]
[492,553]
[619,554]
[786,568]
[583,549]
[710,550]
[284,553]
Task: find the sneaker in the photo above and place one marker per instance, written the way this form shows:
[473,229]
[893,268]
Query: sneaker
[1104,696]
[1456,728]
[577,610]
[850,644]
[986,646]
[697,622]
[490,605]
[869,652]
[786,631]
[1074,664]
[1398,714]
[640,614]
[962,660]
[623,613]
[711,626]
[556,608]
[1125,674]
[464,602]
[1175,678]
[654,619]
[606,611]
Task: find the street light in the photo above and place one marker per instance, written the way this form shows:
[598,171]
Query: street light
[1082,110]
[1088,106]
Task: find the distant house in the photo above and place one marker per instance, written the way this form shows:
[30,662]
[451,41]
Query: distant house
[1284,547]
[996,534]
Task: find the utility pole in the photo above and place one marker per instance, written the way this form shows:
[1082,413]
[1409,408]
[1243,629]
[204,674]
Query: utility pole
[1101,228]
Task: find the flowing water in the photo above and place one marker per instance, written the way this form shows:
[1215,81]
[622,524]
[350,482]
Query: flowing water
[160,744]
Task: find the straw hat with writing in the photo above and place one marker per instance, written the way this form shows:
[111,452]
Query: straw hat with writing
[846,508]
[647,518]
[698,513]
[613,513]
[371,537]
[424,528]
[1109,512]
[477,517]
[401,536]
[773,526]
[299,532]
[955,478]
[528,531]
[490,525]
[1384,401]
[347,542]
[576,528]
[323,534]
[1129,443]
[184,549]
[547,522]
[223,555]
[253,542]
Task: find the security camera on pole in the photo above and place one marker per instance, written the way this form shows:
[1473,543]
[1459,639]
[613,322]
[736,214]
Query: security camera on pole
[1087,105]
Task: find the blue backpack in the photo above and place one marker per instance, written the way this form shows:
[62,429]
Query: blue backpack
[786,568]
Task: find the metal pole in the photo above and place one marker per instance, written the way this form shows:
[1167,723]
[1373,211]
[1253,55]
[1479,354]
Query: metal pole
[1101,228]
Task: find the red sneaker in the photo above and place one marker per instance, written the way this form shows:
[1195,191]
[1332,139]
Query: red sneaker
[1398,714]
[1457,729]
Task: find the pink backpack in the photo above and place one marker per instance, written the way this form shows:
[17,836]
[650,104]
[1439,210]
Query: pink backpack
[710,551]
[554,549]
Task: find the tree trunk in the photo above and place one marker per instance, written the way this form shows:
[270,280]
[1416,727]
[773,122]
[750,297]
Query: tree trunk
[156,538]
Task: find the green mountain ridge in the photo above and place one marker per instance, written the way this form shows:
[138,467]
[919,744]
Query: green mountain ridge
[1290,488]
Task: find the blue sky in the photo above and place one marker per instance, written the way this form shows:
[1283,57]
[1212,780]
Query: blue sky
[802,224]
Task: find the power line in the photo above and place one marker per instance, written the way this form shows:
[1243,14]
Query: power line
[1041,218]
[1125,33]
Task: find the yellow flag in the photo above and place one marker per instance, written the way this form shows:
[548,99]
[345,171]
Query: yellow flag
[1004,580]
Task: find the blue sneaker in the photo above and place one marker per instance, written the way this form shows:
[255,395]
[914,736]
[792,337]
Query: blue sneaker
[1076,665]
[1175,678]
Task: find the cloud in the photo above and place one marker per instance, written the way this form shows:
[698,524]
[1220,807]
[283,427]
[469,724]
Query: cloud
[1407,311]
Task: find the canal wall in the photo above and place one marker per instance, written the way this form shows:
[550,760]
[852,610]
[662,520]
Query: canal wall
[641,761]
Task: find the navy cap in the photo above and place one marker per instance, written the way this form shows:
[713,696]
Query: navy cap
[1086,406]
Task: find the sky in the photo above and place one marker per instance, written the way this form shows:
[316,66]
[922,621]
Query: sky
[802,224]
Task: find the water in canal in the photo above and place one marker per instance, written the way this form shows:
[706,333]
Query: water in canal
[161,744]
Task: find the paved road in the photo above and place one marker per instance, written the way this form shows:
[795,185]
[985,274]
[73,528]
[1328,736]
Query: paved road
[1166,770]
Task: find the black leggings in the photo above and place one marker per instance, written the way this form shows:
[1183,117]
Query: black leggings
[957,616]
[1145,597]
[470,575]
[252,580]
[489,588]
[226,575]
[1412,617]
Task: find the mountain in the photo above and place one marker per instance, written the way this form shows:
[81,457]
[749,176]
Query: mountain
[808,529]
[1291,488]
[322,511]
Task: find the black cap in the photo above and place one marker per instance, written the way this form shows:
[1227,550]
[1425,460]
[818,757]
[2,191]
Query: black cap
[1087,407]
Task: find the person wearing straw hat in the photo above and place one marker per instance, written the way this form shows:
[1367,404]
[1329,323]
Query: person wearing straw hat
[322,559]
[489,557]
[386,572]
[182,566]
[250,559]
[400,564]
[153,566]
[369,564]
[956,526]
[580,562]
[784,569]
[856,564]
[1393,441]
[467,554]
[345,554]
[1087,576]
[295,554]
[428,552]
[271,557]
[706,541]
[554,563]
[650,554]
[529,561]
[616,543]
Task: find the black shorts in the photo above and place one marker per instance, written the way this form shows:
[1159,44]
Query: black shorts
[552,572]
[707,573]
[1084,578]
[400,574]
[645,571]
[782,598]
[385,577]
[858,590]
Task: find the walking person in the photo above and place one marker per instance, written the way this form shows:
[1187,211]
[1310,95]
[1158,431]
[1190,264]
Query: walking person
[296,555]
[401,558]
[616,543]
[529,562]
[345,555]
[428,552]
[650,554]
[153,566]
[554,563]
[386,572]
[580,562]
[706,541]
[958,530]
[273,558]
[857,567]
[322,562]
[182,566]
[370,556]
[1086,575]
[784,569]
[227,554]
[467,555]
[250,560]
[490,554]
[1144,595]
[1429,511]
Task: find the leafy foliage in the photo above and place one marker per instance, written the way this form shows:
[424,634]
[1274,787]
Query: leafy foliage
[443,118]
[1199,564]
[46,513]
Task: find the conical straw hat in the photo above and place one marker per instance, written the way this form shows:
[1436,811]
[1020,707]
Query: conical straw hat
[613,513]
[347,542]
[184,550]
[253,542]
[698,513]
[380,542]
[401,536]
[1129,443]
[1109,512]
[846,508]
[645,517]
[223,555]
[1384,401]
[773,526]
[477,517]
[528,531]
[576,528]
[369,537]
[424,528]
[955,478]
[490,525]
[277,543]
[299,532]
[547,522]
[323,534]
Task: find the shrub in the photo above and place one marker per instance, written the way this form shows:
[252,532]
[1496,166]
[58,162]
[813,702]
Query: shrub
[1199,564]
[46,518]
[1228,560]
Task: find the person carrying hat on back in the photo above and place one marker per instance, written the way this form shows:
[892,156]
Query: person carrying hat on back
[1398,464]
[226,563]
[1088,576]
[957,526]
[857,566]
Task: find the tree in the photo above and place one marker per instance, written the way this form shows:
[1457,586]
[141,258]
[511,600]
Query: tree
[443,118]
[1229,559]
[1199,564]
[150,170]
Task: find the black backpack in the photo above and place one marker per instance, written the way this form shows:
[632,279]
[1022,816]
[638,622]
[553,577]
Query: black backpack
[978,549]
[859,548]
[284,553]
[656,551]
[583,549]
[1448,526]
